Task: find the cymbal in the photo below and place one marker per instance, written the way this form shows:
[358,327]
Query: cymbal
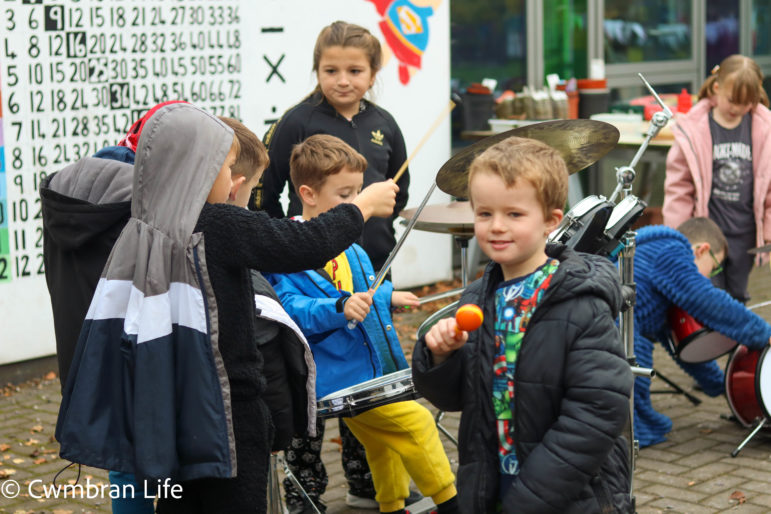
[760,249]
[580,142]
[454,218]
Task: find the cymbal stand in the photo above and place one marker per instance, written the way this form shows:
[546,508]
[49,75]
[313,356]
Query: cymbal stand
[625,175]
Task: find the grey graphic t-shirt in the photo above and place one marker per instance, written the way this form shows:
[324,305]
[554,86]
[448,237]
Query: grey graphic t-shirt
[730,204]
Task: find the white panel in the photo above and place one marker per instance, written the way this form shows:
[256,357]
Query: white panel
[105,62]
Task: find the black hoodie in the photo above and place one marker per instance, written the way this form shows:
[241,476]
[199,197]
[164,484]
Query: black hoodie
[85,207]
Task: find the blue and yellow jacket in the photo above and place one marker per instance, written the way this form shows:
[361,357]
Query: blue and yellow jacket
[344,356]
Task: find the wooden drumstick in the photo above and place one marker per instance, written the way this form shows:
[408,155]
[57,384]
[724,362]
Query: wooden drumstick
[387,265]
[439,119]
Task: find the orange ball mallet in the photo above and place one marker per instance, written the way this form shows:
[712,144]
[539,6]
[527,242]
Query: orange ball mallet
[468,317]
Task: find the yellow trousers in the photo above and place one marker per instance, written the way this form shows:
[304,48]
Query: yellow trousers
[401,441]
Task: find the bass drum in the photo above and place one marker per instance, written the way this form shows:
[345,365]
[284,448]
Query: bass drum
[583,227]
[748,384]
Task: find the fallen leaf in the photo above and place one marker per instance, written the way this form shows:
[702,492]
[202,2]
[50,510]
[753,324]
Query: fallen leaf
[60,511]
[36,428]
[738,496]
[5,473]
[18,461]
[50,376]
[30,442]
[41,460]
[5,447]
[692,482]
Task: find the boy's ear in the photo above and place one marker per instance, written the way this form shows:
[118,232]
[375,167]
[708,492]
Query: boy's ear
[236,184]
[701,248]
[554,220]
[307,195]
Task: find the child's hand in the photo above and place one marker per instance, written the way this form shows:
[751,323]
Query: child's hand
[377,199]
[357,306]
[404,299]
[444,338]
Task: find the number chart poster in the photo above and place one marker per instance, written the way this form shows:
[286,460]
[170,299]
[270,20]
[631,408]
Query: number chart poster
[75,74]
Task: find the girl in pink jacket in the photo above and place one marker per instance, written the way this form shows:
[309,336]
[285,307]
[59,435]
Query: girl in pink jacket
[718,166]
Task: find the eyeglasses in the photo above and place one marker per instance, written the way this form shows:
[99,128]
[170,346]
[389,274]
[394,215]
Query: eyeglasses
[718,269]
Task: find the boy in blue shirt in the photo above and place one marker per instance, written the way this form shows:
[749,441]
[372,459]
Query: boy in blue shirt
[401,439]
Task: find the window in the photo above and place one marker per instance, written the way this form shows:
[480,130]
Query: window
[654,30]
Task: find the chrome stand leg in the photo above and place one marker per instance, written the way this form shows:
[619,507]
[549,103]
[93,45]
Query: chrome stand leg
[438,419]
[275,502]
[754,432]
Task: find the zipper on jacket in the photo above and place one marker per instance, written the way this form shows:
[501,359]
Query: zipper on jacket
[199,274]
[379,318]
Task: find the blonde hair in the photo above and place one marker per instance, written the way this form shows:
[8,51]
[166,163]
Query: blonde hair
[704,230]
[320,156]
[252,155]
[518,158]
[744,77]
[344,34]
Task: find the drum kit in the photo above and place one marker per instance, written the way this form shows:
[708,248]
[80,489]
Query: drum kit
[593,225]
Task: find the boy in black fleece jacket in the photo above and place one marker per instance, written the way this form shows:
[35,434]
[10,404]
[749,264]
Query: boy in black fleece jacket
[543,384]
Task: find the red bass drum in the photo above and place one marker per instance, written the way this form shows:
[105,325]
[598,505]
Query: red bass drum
[748,384]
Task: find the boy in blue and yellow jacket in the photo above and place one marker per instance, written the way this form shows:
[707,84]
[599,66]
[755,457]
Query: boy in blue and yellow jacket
[401,439]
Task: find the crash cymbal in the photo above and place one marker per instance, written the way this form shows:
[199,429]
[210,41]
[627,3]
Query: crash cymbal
[580,142]
[760,249]
[454,218]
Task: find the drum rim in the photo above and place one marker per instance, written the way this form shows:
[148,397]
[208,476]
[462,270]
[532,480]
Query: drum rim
[726,387]
[700,333]
[441,313]
[396,376]
[758,395]
[353,403]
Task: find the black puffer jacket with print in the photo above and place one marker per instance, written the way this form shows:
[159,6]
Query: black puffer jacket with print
[572,386]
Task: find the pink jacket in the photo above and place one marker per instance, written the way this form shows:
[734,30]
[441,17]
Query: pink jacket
[688,181]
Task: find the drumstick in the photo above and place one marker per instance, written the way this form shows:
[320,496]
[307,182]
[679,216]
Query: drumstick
[387,265]
[467,318]
[439,119]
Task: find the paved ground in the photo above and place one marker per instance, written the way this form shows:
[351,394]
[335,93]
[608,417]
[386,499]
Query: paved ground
[692,472]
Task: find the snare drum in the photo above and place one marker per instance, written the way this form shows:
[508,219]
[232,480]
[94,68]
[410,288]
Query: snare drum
[348,402]
[583,227]
[748,384]
[621,220]
[693,342]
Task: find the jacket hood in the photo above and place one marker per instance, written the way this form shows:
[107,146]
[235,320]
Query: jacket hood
[179,155]
[579,274]
[85,199]
[586,274]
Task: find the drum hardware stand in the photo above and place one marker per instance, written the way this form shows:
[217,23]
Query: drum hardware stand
[625,175]
[761,423]
[275,503]
[462,242]
[677,389]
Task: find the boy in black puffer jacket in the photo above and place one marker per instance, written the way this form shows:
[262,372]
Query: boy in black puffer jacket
[543,385]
